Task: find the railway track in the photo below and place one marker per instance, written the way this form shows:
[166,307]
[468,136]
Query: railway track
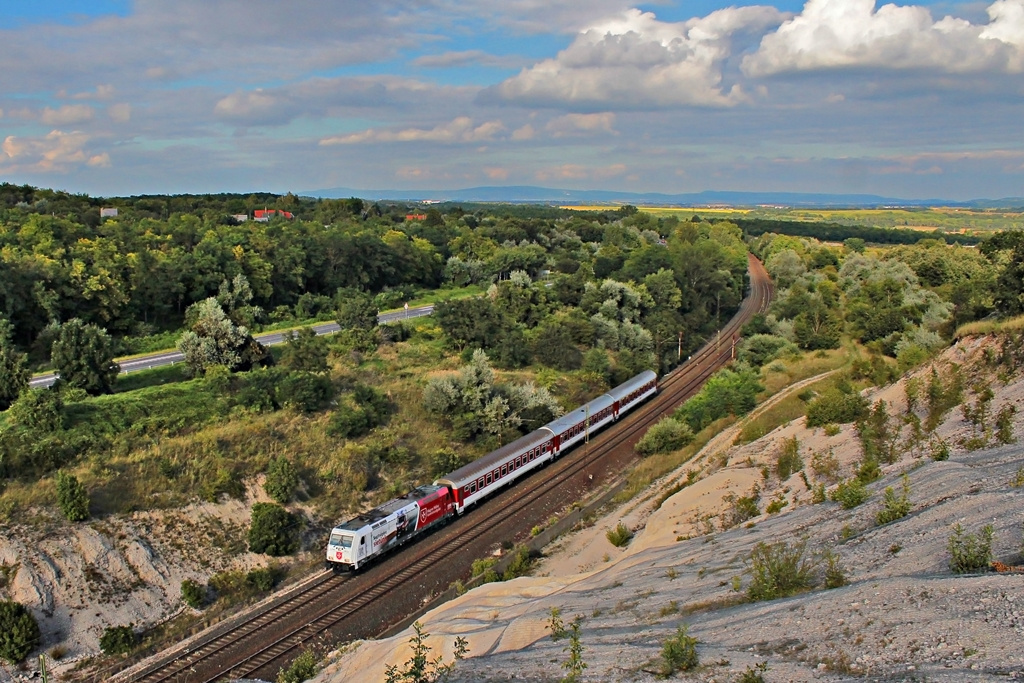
[278,630]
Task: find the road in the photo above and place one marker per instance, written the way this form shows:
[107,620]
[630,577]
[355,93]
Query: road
[156,360]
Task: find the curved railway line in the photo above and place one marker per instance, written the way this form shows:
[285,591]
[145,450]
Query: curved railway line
[269,636]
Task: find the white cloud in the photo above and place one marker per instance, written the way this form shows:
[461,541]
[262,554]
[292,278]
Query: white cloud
[635,61]
[580,172]
[69,114]
[120,113]
[836,34]
[494,173]
[536,16]
[462,129]
[255,104]
[466,58]
[581,124]
[102,92]
[56,152]
[524,133]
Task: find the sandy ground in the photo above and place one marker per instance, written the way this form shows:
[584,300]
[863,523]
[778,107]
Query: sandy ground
[903,616]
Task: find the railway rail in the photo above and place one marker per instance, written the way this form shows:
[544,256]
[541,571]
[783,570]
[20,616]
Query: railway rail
[275,632]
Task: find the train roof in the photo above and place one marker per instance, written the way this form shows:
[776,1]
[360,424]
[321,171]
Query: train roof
[633,384]
[485,464]
[576,416]
[390,507]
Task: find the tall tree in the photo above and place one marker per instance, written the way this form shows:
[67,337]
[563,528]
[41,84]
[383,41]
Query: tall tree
[356,309]
[216,340]
[14,372]
[83,357]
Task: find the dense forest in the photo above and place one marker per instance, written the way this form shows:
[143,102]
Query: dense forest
[606,293]
[840,232]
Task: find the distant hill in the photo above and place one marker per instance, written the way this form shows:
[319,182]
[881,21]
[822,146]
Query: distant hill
[514,194]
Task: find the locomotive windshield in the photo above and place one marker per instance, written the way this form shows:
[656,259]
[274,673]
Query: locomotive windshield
[343,540]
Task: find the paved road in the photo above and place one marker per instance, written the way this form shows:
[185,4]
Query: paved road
[156,360]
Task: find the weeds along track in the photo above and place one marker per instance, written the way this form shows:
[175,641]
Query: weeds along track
[281,628]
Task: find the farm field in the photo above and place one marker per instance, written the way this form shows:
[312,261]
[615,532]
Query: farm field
[948,219]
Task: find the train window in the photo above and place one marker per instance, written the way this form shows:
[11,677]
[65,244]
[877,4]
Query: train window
[504,470]
[488,480]
[480,483]
[472,487]
[519,462]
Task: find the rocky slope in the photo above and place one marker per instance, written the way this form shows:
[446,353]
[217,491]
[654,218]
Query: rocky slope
[903,615]
[78,579]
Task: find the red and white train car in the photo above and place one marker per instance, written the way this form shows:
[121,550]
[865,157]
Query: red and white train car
[372,534]
[484,476]
[397,521]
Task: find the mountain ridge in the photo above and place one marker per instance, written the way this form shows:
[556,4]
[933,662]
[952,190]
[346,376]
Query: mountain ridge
[525,194]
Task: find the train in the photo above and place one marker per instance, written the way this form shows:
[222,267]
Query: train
[364,538]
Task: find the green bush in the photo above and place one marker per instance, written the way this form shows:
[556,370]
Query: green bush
[894,506]
[761,349]
[1004,424]
[727,392]
[349,422]
[575,665]
[789,460]
[282,480]
[850,493]
[825,465]
[818,494]
[619,536]
[522,562]
[118,640]
[421,667]
[193,593]
[836,406]
[306,392]
[72,498]
[273,530]
[755,675]
[778,570]
[19,632]
[556,625]
[667,435]
[371,409]
[302,668]
[40,410]
[679,653]
[835,575]
[261,578]
[482,565]
[970,553]
[741,508]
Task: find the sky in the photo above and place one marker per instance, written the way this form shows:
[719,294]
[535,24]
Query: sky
[124,97]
